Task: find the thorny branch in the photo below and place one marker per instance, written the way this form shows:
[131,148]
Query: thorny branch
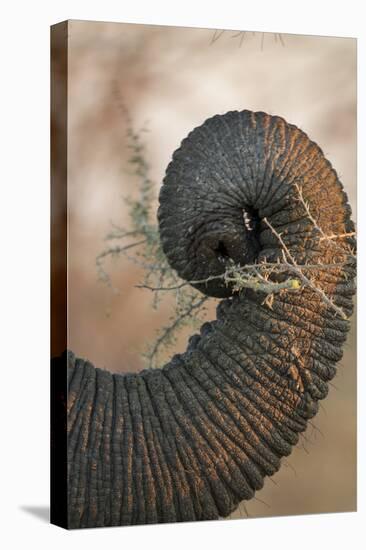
[140,244]
[237,271]
[240,35]
[167,335]
[289,259]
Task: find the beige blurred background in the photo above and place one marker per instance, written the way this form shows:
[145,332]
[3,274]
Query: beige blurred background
[171,79]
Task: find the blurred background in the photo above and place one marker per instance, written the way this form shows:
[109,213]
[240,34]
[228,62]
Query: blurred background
[170,80]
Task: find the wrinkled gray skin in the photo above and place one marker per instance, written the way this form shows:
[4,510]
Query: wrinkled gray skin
[191,440]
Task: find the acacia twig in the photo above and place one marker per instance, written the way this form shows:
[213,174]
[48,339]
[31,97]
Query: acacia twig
[288,256]
[324,236]
[169,330]
[269,267]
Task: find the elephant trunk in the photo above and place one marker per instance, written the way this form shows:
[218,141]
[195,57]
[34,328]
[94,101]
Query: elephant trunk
[191,440]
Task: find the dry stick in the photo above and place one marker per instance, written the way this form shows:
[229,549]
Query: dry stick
[321,406]
[242,36]
[266,286]
[156,296]
[118,249]
[122,250]
[121,235]
[316,429]
[281,39]
[217,35]
[287,464]
[302,277]
[262,502]
[242,269]
[111,252]
[242,503]
[340,236]
[324,236]
[103,275]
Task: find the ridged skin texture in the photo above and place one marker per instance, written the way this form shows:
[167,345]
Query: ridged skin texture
[191,440]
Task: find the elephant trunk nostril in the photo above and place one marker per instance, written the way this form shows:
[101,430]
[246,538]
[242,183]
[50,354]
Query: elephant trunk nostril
[222,253]
[240,245]
[250,218]
[220,245]
[251,221]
